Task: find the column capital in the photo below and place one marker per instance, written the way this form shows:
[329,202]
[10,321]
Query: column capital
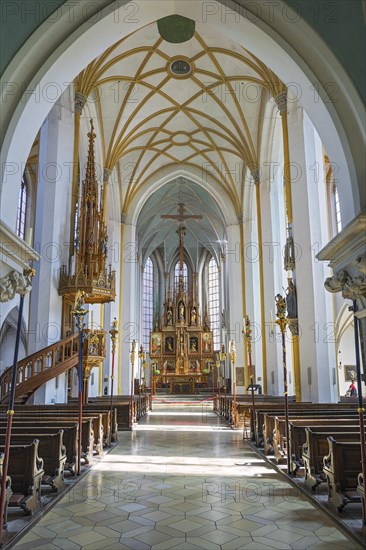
[15,283]
[256,175]
[80,100]
[281,101]
[353,288]
[107,172]
[239,216]
[123,217]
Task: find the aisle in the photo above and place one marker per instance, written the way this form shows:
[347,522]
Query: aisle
[183,480]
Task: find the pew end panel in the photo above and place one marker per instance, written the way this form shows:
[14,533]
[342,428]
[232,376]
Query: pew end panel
[341,467]
[8,492]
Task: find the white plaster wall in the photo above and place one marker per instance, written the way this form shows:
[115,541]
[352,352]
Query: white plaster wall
[252,286]
[269,288]
[276,174]
[129,325]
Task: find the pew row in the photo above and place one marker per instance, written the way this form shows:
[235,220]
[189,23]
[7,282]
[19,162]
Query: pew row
[62,410]
[67,417]
[70,439]
[297,435]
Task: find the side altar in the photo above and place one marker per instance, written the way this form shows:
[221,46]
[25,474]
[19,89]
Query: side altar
[181,346]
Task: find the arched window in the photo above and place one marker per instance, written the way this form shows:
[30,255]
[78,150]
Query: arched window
[147,302]
[214,301]
[337,209]
[185,276]
[22,210]
[334,208]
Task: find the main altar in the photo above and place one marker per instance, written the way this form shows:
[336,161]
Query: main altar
[181,346]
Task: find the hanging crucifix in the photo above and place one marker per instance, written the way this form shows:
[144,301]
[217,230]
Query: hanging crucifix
[181,217]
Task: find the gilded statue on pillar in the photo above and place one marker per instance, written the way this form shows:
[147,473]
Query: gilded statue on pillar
[193,315]
[181,311]
[169,317]
[291,300]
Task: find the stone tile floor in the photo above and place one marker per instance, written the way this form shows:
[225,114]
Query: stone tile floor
[184,481]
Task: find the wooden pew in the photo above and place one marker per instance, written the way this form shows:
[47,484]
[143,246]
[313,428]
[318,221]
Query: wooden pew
[269,422]
[280,445]
[26,471]
[70,440]
[361,489]
[341,467]
[122,404]
[64,410]
[8,492]
[67,416]
[295,409]
[316,447]
[297,434]
[52,451]
[87,437]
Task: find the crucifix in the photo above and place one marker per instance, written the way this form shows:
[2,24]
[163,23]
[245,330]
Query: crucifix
[181,234]
[181,217]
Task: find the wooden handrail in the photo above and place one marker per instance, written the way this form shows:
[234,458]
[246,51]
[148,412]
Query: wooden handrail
[63,352]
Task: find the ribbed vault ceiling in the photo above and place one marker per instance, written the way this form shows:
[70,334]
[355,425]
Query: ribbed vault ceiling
[209,123]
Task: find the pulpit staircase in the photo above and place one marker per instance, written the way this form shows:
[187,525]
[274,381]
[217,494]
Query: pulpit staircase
[40,367]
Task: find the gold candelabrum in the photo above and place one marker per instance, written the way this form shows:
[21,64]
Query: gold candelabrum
[132,359]
[282,322]
[113,332]
[79,313]
[144,364]
[142,357]
[223,356]
[247,333]
[232,355]
[218,364]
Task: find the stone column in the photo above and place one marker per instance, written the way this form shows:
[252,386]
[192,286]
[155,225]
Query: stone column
[316,346]
[235,291]
[129,329]
[256,177]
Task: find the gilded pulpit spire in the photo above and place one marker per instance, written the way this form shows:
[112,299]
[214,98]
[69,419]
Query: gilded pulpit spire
[90,270]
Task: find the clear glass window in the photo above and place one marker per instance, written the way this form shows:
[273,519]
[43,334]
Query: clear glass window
[21,211]
[214,301]
[147,303]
